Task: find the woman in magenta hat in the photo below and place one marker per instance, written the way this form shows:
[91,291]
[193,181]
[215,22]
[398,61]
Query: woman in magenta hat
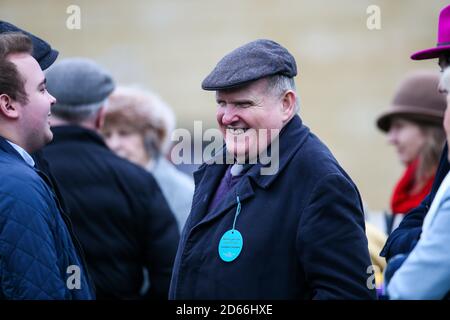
[425,272]
[404,238]
[413,124]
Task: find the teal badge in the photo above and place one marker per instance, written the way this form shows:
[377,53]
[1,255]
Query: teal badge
[230,245]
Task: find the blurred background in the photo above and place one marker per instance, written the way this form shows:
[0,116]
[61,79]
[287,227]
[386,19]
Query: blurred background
[347,72]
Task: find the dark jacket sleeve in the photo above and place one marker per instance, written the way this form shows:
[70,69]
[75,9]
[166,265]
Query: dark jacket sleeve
[29,267]
[404,238]
[160,234]
[332,243]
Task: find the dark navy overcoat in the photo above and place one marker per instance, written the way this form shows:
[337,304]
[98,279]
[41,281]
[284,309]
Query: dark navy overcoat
[303,230]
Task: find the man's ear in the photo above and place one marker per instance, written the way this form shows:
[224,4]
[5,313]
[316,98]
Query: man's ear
[8,107]
[100,119]
[288,101]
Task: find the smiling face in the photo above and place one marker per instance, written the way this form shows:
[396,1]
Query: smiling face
[33,119]
[245,116]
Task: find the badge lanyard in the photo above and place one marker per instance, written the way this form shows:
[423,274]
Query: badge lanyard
[231,243]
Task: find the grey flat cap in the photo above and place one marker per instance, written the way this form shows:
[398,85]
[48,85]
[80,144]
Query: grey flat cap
[252,61]
[78,81]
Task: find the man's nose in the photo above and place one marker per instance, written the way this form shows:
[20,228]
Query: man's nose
[52,99]
[229,115]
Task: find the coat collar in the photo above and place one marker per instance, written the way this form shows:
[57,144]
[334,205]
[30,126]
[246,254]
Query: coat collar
[7,148]
[208,176]
[76,133]
[203,196]
[292,137]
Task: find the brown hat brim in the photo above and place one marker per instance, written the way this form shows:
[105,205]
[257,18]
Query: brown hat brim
[419,115]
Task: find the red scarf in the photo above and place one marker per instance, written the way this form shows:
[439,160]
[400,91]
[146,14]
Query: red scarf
[403,199]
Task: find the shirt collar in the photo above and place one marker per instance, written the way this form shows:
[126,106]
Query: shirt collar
[25,155]
[236,169]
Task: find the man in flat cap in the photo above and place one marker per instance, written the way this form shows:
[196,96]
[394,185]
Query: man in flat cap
[38,255]
[294,233]
[118,211]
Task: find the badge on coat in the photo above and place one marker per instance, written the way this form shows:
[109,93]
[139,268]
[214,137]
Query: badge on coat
[230,245]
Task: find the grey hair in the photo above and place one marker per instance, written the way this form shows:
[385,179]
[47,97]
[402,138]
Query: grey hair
[279,84]
[79,113]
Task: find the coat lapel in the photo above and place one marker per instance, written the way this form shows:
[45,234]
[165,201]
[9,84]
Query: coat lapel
[245,191]
[291,139]
[206,179]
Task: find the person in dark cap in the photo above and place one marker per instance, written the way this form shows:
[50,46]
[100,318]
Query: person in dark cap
[42,51]
[293,232]
[405,237]
[413,124]
[45,55]
[38,256]
[118,211]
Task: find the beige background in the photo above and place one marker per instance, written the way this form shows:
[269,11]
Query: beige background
[347,73]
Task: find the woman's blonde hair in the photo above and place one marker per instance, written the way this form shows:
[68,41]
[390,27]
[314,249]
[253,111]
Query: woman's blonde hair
[143,112]
[431,151]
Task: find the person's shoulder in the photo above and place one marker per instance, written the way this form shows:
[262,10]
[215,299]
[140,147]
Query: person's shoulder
[315,165]
[315,156]
[22,191]
[18,177]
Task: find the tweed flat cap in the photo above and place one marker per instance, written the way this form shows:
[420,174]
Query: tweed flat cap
[250,62]
[78,81]
[42,51]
